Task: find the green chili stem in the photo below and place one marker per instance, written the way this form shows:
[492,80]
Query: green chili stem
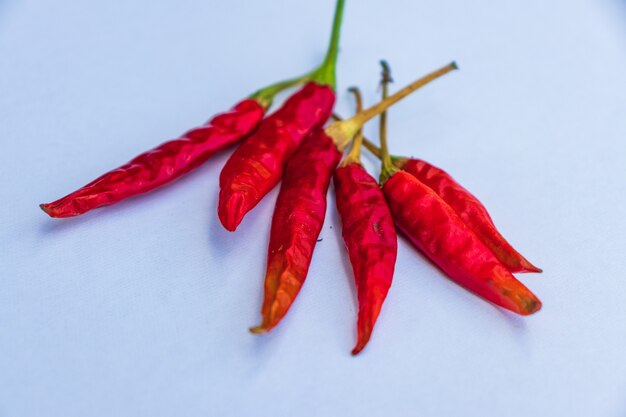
[388,169]
[354,156]
[324,74]
[265,96]
[343,132]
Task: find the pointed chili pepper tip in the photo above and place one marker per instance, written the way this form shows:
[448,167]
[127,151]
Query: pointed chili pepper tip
[363,338]
[531,306]
[260,329]
[47,209]
[360,345]
[528,267]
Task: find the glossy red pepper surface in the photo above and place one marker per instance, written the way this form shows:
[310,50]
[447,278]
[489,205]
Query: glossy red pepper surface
[471,211]
[298,219]
[370,237]
[435,228]
[257,165]
[163,164]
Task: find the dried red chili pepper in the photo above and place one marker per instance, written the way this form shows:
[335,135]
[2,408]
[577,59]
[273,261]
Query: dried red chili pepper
[467,206]
[162,164]
[296,224]
[257,165]
[173,159]
[369,235]
[433,226]
[301,207]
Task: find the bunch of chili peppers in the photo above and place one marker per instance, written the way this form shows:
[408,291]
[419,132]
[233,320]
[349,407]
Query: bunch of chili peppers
[295,145]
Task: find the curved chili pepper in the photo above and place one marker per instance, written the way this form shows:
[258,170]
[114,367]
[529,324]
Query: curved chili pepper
[296,224]
[471,211]
[433,226]
[175,158]
[466,205]
[301,207]
[162,164]
[258,164]
[436,229]
[370,237]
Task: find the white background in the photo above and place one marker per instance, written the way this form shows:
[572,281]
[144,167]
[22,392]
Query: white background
[143,308]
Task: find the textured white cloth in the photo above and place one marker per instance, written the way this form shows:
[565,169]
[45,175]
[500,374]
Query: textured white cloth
[143,308]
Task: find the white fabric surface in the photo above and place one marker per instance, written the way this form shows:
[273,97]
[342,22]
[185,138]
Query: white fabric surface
[143,308]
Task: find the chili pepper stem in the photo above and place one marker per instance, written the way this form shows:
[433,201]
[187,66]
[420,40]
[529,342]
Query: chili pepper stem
[324,74]
[343,132]
[372,148]
[398,161]
[354,156]
[265,95]
[388,169]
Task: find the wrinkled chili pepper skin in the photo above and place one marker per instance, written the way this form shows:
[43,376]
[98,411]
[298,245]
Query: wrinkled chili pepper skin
[471,211]
[162,164]
[435,228]
[257,165]
[370,237]
[296,224]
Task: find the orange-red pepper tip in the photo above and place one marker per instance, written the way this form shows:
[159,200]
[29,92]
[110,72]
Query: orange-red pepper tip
[232,212]
[360,345]
[363,340]
[527,267]
[530,306]
[259,330]
[47,209]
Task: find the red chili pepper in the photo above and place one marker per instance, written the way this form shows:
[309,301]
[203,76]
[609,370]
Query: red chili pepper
[301,207]
[470,210]
[468,207]
[175,158]
[434,227]
[162,164]
[370,238]
[257,165]
[296,224]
